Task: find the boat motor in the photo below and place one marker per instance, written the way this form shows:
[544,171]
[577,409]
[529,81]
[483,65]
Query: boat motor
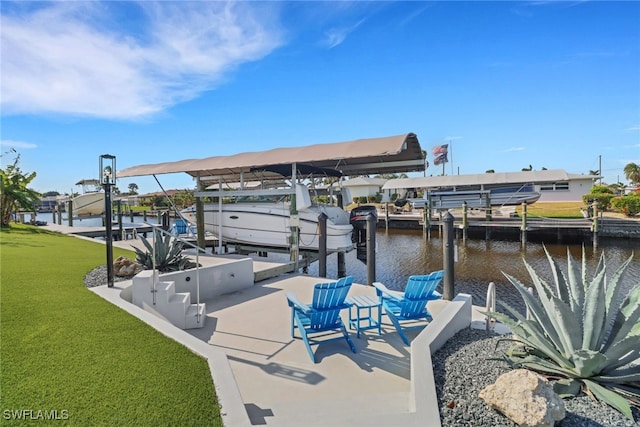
[358,219]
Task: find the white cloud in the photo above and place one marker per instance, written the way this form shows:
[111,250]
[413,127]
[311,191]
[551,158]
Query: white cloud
[633,128]
[508,150]
[82,58]
[7,143]
[335,36]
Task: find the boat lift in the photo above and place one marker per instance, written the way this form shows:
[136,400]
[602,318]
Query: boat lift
[393,154]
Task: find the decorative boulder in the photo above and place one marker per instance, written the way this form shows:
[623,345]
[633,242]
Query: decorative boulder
[525,398]
[124,267]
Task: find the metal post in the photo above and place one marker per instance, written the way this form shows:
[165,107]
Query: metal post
[144,215]
[200,220]
[219,217]
[109,234]
[322,245]
[371,249]
[448,257]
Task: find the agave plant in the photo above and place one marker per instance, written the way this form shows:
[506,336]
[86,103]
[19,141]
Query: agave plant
[168,254]
[581,330]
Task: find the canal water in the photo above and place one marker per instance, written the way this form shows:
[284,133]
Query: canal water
[401,253]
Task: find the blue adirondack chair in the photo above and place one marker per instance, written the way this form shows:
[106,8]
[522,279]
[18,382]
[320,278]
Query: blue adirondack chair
[407,307]
[322,316]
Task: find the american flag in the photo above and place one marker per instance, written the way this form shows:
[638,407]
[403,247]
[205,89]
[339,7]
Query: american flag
[440,149]
[440,159]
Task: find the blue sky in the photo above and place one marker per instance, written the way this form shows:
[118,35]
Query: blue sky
[507,84]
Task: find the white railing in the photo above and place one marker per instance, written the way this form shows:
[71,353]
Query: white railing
[185,242]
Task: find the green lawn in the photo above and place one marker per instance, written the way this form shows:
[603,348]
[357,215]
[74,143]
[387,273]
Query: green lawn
[553,210]
[65,349]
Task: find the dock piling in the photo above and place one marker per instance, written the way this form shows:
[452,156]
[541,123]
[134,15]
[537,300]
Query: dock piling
[70,213]
[119,210]
[465,221]
[448,253]
[371,249]
[595,224]
[523,227]
[342,264]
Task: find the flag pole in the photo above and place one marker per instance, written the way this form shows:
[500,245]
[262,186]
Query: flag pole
[451,152]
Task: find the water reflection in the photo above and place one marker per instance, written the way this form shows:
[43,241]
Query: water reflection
[401,253]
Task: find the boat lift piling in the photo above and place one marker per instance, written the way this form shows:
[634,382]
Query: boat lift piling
[294,222]
[119,210]
[595,224]
[322,245]
[465,222]
[70,212]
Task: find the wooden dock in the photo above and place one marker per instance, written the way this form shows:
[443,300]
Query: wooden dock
[579,229]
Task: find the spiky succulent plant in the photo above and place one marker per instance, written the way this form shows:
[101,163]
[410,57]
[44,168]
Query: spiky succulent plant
[168,254]
[582,330]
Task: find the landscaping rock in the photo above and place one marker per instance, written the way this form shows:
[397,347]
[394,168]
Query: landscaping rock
[525,398]
[124,267]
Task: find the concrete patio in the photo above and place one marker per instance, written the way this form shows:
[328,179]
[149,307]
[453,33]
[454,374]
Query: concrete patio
[263,376]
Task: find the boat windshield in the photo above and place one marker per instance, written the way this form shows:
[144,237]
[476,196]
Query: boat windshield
[259,199]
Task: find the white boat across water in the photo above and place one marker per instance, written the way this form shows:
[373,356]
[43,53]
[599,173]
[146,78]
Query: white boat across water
[90,203]
[477,199]
[267,222]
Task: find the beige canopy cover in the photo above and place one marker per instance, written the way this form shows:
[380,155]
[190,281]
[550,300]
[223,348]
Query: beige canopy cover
[393,154]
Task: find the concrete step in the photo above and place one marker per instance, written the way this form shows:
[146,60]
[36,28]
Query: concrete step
[195,316]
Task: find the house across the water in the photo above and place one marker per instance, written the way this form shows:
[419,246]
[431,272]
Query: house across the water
[553,185]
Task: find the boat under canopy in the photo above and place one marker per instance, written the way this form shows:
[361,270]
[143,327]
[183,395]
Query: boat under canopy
[277,223]
[267,222]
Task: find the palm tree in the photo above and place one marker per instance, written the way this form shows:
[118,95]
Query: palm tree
[133,188]
[632,172]
[14,193]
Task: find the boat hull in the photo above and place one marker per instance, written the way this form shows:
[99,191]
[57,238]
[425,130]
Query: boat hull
[89,204]
[268,224]
[475,199]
